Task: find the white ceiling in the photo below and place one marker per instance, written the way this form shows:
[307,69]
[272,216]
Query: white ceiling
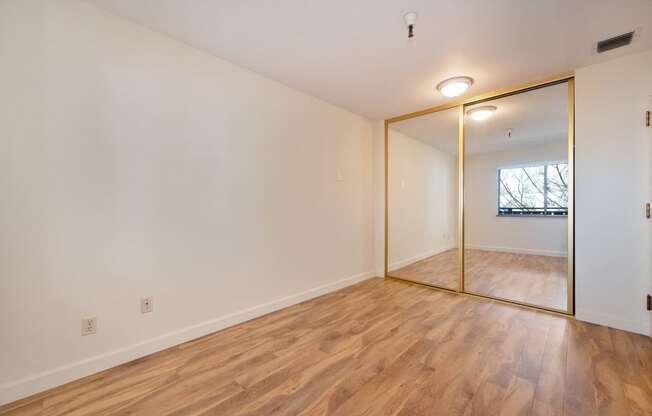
[535,117]
[354,53]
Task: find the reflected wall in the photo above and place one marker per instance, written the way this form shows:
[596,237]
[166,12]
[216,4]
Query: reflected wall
[422,203]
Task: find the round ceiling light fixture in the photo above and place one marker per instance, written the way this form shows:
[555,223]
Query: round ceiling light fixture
[452,87]
[482,112]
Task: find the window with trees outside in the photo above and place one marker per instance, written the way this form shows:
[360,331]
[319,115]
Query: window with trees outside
[533,190]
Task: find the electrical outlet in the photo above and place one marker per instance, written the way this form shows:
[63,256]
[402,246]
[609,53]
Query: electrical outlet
[146,305]
[88,326]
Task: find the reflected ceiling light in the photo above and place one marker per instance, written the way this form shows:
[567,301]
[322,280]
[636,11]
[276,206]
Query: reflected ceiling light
[452,87]
[482,112]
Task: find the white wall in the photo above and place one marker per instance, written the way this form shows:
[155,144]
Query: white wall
[378,138]
[484,230]
[422,200]
[612,235]
[132,165]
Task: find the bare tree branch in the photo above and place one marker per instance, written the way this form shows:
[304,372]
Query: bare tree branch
[531,180]
[518,203]
[561,178]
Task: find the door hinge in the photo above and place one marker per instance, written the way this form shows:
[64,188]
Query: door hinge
[649,302]
[648,122]
[647,210]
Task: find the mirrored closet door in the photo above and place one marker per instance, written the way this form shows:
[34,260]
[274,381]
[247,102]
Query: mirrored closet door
[492,174]
[423,199]
[516,197]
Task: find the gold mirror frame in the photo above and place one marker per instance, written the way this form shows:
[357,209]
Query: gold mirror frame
[461,104]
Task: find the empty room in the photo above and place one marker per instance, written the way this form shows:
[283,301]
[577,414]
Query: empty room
[292,207]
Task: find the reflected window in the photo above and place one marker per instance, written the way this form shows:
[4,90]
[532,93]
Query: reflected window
[533,190]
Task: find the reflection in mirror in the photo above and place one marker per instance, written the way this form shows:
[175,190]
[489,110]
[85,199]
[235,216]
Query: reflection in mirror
[423,199]
[516,197]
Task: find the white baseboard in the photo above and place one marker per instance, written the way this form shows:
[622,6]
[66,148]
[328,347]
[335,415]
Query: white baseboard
[402,263]
[549,253]
[57,376]
[639,327]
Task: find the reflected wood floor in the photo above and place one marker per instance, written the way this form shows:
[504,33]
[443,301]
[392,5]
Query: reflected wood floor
[441,270]
[540,280]
[381,347]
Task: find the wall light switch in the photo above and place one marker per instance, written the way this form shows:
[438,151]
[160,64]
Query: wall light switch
[340,177]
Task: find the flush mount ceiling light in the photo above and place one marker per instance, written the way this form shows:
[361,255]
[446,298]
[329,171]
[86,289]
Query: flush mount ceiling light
[482,113]
[452,87]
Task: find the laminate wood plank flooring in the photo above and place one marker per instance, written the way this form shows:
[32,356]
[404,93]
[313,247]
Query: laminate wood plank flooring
[441,270]
[381,347]
[539,280]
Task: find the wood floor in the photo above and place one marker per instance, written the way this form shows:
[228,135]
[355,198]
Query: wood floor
[381,347]
[441,270]
[539,280]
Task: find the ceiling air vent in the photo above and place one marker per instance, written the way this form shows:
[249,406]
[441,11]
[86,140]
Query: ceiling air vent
[615,42]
